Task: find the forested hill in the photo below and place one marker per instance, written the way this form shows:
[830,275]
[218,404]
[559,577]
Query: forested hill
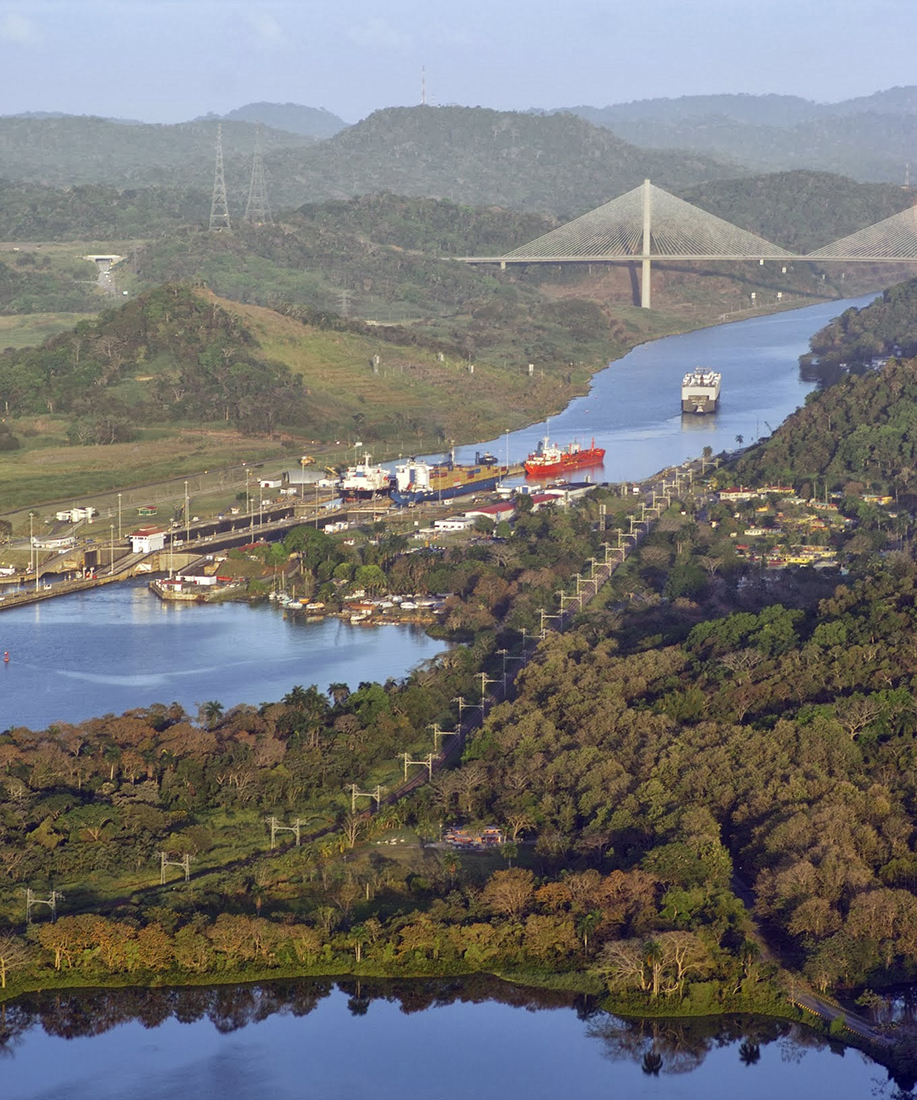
[171,355]
[72,150]
[886,326]
[96,211]
[436,227]
[313,122]
[862,430]
[800,211]
[869,138]
[557,164]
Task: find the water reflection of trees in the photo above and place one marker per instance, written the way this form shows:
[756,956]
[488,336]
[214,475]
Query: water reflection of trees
[71,1014]
[680,1046]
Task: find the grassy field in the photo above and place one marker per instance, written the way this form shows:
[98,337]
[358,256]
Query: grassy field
[28,329]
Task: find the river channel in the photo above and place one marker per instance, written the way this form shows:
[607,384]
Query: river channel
[114,648]
[633,408]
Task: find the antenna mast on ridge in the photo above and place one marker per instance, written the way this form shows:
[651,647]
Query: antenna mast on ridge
[219,208]
[257,209]
[423,85]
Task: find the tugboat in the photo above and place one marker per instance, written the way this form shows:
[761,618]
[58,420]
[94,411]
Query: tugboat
[550,459]
[700,391]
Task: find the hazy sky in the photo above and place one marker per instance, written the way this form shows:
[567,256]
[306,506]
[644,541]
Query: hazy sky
[169,60]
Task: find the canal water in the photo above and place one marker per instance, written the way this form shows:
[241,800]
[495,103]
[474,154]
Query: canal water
[113,648]
[119,647]
[633,408]
[314,1040]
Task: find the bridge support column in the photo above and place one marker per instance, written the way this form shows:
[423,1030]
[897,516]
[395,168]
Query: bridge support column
[646,290]
[646,287]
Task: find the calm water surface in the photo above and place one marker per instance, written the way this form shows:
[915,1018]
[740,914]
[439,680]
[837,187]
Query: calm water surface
[634,406]
[118,647]
[246,1043]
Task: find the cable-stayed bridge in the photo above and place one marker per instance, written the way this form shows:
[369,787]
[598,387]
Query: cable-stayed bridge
[648,224]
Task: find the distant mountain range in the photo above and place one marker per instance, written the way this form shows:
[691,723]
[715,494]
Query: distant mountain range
[313,122]
[867,138]
[558,162]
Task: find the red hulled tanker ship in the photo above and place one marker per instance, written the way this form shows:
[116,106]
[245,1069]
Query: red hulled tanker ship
[550,459]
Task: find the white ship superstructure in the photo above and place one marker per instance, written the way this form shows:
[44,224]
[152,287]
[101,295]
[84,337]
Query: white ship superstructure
[700,391]
[366,480]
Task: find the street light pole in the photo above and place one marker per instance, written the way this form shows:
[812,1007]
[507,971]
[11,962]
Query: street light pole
[111,553]
[187,515]
[119,517]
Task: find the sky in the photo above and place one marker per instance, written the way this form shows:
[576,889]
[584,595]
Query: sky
[171,60]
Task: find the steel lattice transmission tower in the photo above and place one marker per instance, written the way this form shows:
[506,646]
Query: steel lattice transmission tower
[257,209]
[219,207]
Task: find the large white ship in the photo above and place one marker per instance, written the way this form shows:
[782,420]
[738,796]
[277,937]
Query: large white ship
[365,480]
[700,391]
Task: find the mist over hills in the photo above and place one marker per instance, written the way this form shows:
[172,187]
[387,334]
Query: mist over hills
[315,122]
[559,164]
[69,150]
[867,138]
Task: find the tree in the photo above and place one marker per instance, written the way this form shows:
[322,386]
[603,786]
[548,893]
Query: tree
[14,955]
[209,713]
[510,892]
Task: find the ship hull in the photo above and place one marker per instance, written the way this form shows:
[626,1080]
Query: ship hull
[594,457]
[699,405]
[406,497]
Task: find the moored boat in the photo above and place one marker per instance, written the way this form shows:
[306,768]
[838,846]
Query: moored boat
[549,458]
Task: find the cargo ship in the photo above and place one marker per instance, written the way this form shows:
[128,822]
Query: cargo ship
[700,391]
[417,481]
[549,459]
[363,481]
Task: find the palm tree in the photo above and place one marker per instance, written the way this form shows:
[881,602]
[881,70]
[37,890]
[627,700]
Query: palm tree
[749,1053]
[339,692]
[209,713]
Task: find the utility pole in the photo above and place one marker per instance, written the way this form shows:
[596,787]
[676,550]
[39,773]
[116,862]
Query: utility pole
[219,207]
[184,863]
[356,793]
[51,901]
[276,828]
[427,763]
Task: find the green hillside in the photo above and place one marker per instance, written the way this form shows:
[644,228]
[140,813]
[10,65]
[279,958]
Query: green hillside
[558,164]
[863,429]
[70,150]
[96,211]
[799,210]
